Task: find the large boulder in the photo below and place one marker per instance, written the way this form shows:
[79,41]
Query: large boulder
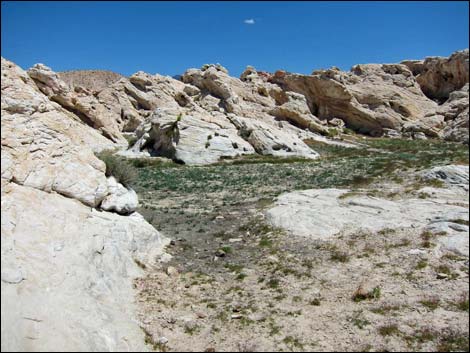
[120,199]
[267,140]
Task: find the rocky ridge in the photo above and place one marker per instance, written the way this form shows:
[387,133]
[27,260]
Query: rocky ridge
[263,113]
[92,80]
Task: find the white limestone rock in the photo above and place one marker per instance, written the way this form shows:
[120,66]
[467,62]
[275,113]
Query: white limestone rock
[325,213]
[67,273]
[120,199]
[449,174]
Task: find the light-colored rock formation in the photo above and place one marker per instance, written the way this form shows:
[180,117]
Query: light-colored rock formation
[369,98]
[296,111]
[119,198]
[47,152]
[446,81]
[267,140]
[193,121]
[84,105]
[67,268]
[449,174]
[440,76]
[456,115]
[325,213]
[134,99]
[67,273]
[189,139]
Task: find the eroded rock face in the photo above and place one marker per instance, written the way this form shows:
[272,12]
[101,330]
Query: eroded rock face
[440,76]
[42,144]
[83,104]
[456,116]
[67,268]
[192,139]
[270,141]
[369,98]
[196,126]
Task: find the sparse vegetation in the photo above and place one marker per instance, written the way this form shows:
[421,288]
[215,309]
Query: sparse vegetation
[462,302]
[360,294]
[221,207]
[119,168]
[432,303]
[453,341]
[389,330]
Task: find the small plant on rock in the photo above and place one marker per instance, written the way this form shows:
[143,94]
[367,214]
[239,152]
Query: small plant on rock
[119,168]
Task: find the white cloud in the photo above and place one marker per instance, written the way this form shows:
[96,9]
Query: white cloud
[249,21]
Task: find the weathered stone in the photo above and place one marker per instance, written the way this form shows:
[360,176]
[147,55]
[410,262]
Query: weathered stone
[450,174]
[67,269]
[439,76]
[189,138]
[86,107]
[309,213]
[369,98]
[120,199]
[82,296]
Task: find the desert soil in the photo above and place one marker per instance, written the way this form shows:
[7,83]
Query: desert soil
[234,283]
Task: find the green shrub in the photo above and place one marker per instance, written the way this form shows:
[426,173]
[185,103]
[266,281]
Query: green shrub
[332,132]
[119,168]
[131,140]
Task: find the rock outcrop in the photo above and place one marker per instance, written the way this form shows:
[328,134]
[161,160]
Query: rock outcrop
[191,139]
[67,266]
[455,114]
[199,120]
[369,99]
[325,213]
[449,174]
[82,103]
[440,76]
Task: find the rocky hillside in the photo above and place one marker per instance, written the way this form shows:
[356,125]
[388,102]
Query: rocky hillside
[74,236]
[92,80]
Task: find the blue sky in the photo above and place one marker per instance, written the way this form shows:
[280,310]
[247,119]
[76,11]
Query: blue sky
[169,37]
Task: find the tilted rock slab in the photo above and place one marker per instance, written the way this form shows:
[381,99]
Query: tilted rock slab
[189,139]
[85,106]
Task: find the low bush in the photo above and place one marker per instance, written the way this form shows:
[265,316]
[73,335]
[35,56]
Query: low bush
[118,167]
